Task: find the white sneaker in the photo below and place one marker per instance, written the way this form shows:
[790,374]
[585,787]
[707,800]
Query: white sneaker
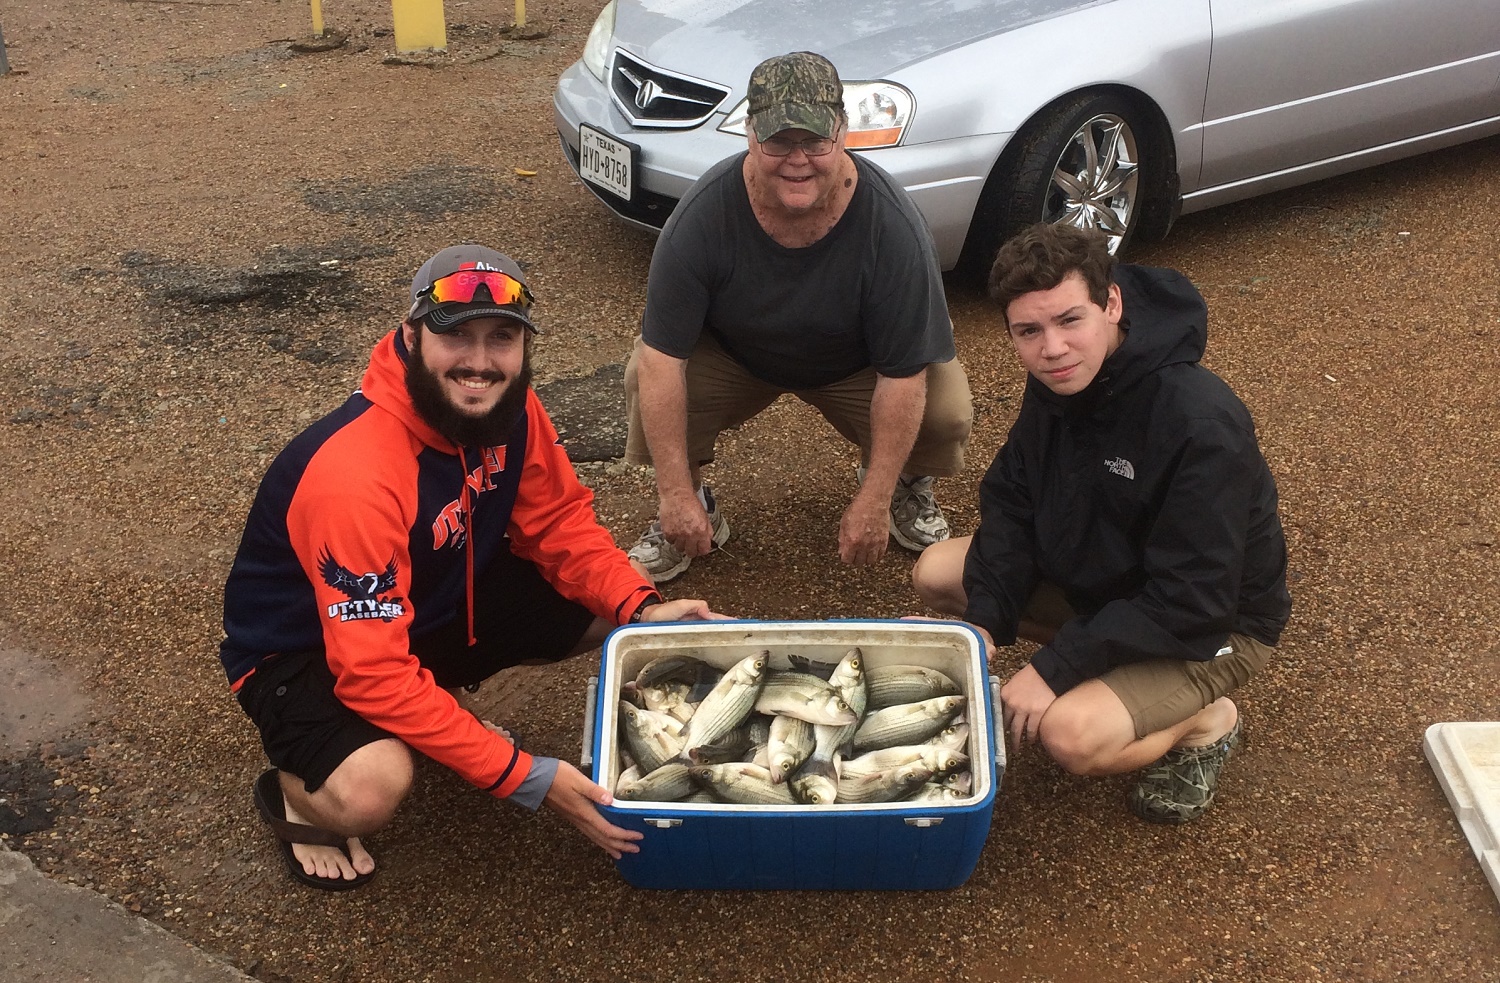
[916,520]
[662,560]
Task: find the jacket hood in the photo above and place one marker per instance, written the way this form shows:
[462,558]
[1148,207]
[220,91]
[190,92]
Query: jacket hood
[384,384]
[1165,322]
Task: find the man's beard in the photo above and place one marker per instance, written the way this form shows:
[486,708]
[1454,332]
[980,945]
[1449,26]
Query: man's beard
[433,405]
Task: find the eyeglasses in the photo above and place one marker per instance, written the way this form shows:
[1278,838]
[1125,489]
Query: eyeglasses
[460,287]
[812,146]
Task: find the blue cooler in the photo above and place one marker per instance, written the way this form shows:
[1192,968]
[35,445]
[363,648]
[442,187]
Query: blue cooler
[901,846]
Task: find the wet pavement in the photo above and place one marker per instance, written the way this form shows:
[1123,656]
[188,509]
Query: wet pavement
[54,931]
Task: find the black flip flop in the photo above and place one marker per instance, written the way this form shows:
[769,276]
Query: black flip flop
[273,810]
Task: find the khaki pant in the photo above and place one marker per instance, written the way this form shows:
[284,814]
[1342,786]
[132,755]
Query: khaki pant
[722,395]
[1162,692]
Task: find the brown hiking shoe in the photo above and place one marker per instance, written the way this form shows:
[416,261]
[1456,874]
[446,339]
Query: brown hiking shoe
[1180,787]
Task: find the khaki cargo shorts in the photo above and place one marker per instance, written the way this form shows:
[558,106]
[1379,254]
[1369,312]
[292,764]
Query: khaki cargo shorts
[722,395]
[1162,692]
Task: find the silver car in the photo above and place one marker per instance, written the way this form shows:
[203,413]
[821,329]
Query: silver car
[1115,114]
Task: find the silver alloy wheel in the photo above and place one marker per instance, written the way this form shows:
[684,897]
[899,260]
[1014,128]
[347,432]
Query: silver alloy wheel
[1094,183]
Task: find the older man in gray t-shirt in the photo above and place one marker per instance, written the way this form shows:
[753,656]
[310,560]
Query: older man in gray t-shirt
[796,267]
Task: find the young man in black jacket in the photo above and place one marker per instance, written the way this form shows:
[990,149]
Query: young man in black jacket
[1128,526]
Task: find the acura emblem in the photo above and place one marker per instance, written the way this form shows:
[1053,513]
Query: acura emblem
[646,94]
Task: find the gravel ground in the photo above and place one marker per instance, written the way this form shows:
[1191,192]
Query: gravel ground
[206,231]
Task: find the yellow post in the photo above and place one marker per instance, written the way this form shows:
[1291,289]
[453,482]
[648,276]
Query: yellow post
[419,24]
[520,13]
[317,14]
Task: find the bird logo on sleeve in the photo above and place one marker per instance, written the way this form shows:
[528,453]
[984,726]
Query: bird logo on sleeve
[363,591]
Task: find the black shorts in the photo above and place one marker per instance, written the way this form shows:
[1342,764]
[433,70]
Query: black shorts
[518,617]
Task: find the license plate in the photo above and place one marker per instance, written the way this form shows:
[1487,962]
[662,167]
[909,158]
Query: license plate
[606,162]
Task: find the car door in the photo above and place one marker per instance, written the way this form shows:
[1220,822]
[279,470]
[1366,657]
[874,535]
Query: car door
[1292,82]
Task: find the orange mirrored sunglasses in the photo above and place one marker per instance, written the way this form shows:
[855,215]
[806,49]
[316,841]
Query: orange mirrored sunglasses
[459,288]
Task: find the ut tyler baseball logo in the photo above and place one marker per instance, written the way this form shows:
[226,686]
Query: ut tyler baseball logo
[363,591]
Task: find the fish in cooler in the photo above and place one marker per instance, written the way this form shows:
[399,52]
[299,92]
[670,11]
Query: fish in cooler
[961,781]
[906,723]
[790,743]
[955,736]
[939,759]
[698,676]
[889,686]
[673,684]
[742,783]
[664,697]
[668,783]
[940,794]
[733,746]
[806,697]
[728,704]
[888,785]
[767,736]
[652,738]
[817,782]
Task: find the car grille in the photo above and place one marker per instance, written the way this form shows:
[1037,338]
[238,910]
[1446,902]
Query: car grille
[653,97]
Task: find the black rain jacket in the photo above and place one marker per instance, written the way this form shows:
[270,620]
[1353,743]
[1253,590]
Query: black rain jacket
[1144,497]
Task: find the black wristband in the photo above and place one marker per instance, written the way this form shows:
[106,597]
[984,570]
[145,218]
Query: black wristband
[652,598]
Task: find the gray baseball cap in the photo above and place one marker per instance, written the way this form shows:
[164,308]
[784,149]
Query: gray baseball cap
[796,91]
[503,295]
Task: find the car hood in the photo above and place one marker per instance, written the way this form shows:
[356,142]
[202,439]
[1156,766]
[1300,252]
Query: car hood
[721,40]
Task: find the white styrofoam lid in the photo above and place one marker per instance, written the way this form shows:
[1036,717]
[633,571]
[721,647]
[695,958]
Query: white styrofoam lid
[1466,757]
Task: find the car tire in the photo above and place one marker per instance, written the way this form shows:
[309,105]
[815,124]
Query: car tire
[1094,159]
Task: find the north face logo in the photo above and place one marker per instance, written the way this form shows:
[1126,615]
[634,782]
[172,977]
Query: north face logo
[1121,467]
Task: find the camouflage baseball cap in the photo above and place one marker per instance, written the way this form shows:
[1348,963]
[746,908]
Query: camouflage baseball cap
[797,91]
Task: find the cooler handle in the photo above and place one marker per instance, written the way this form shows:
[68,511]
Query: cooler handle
[586,760]
[997,732]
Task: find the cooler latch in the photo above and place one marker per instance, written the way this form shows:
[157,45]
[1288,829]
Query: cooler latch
[924,822]
[668,823]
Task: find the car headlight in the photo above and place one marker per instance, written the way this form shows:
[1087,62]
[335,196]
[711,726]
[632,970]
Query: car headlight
[878,112]
[596,48]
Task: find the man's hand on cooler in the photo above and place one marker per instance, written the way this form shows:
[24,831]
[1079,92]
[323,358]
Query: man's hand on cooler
[1026,698]
[577,800]
[683,610]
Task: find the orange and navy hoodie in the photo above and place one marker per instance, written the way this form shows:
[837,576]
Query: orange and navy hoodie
[368,530]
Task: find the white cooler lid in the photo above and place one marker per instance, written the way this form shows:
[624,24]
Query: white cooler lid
[1466,757]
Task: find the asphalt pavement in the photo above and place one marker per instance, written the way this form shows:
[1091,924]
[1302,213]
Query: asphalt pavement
[54,931]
